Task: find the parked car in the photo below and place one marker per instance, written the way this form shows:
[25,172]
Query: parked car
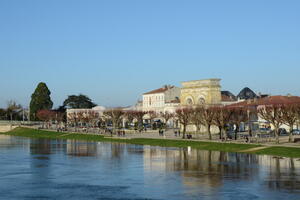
[265,130]
[282,132]
[296,132]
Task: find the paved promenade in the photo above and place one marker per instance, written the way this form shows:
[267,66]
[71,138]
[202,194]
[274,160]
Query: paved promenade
[5,128]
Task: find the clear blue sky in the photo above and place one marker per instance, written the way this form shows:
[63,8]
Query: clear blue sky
[113,51]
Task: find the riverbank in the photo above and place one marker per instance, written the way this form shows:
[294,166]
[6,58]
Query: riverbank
[5,128]
[213,146]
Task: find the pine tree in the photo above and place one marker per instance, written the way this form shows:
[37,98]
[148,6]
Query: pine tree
[40,100]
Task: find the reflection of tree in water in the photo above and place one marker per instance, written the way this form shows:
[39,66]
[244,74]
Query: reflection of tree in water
[117,150]
[136,149]
[284,174]
[40,146]
[9,142]
[80,148]
[202,168]
[46,146]
[209,168]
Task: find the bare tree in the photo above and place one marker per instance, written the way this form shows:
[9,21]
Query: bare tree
[115,115]
[152,115]
[208,119]
[272,114]
[221,119]
[289,117]
[239,115]
[74,119]
[184,117]
[13,109]
[166,116]
[90,118]
[129,116]
[139,116]
[196,117]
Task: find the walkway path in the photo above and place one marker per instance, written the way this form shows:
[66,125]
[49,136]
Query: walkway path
[254,149]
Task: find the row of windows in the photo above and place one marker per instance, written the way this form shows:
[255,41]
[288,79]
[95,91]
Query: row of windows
[154,98]
[154,104]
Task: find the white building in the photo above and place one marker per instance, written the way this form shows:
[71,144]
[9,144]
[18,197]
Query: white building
[98,109]
[161,98]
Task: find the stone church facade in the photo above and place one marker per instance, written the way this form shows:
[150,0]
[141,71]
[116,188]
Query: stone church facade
[201,92]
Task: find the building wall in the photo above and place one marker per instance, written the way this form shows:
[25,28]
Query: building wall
[172,94]
[153,101]
[158,101]
[201,92]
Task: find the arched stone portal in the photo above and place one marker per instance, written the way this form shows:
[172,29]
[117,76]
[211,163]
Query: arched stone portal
[189,101]
[201,92]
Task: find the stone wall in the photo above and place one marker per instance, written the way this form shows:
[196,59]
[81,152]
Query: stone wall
[201,92]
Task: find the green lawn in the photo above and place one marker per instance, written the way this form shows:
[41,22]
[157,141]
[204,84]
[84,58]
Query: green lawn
[280,151]
[214,146]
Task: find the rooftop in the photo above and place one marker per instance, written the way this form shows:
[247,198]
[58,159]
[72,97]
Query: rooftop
[160,90]
[271,100]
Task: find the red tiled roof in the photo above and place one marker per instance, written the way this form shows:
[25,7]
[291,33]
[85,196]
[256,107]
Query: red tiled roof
[174,101]
[271,100]
[227,98]
[159,90]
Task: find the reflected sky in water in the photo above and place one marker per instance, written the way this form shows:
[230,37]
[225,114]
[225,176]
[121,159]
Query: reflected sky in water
[60,169]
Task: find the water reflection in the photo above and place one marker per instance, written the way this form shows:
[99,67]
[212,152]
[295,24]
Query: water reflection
[281,173]
[172,171]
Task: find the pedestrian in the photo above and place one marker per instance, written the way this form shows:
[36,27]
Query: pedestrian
[247,139]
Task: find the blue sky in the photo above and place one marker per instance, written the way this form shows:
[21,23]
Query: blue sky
[113,50]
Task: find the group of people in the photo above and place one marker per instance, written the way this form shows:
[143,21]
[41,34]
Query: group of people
[161,132]
[177,133]
[121,133]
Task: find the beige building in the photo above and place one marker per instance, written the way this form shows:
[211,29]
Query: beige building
[201,92]
[159,99]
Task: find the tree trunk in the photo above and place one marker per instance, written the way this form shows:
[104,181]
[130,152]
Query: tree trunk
[198,128]
[291,134]
[184,131]
[236,131]
[224,133]
[220,132]
[209,133]
[277,135]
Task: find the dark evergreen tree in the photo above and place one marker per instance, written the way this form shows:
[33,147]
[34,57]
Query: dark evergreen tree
[40,100]
[78,101]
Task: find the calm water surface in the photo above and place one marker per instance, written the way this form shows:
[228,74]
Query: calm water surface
[60,169]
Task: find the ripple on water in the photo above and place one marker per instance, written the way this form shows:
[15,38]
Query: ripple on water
[82,191]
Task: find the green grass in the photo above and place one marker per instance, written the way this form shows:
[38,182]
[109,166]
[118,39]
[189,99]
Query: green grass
[213,146]
[280,151]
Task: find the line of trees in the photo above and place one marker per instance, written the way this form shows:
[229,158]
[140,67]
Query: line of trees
[280,114]
[223,116]
[116,118]
[13,111]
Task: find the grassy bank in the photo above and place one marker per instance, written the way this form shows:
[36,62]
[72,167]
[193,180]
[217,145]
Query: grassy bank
[226,147]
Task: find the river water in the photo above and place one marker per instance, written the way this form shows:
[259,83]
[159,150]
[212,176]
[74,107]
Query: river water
[67,169]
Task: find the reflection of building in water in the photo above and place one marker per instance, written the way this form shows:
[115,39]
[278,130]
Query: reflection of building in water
[7,141]
[282,173]
[205,169]
[45,146]
[76,148]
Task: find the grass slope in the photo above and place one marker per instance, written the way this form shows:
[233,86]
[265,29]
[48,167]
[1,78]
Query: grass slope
[226,147]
